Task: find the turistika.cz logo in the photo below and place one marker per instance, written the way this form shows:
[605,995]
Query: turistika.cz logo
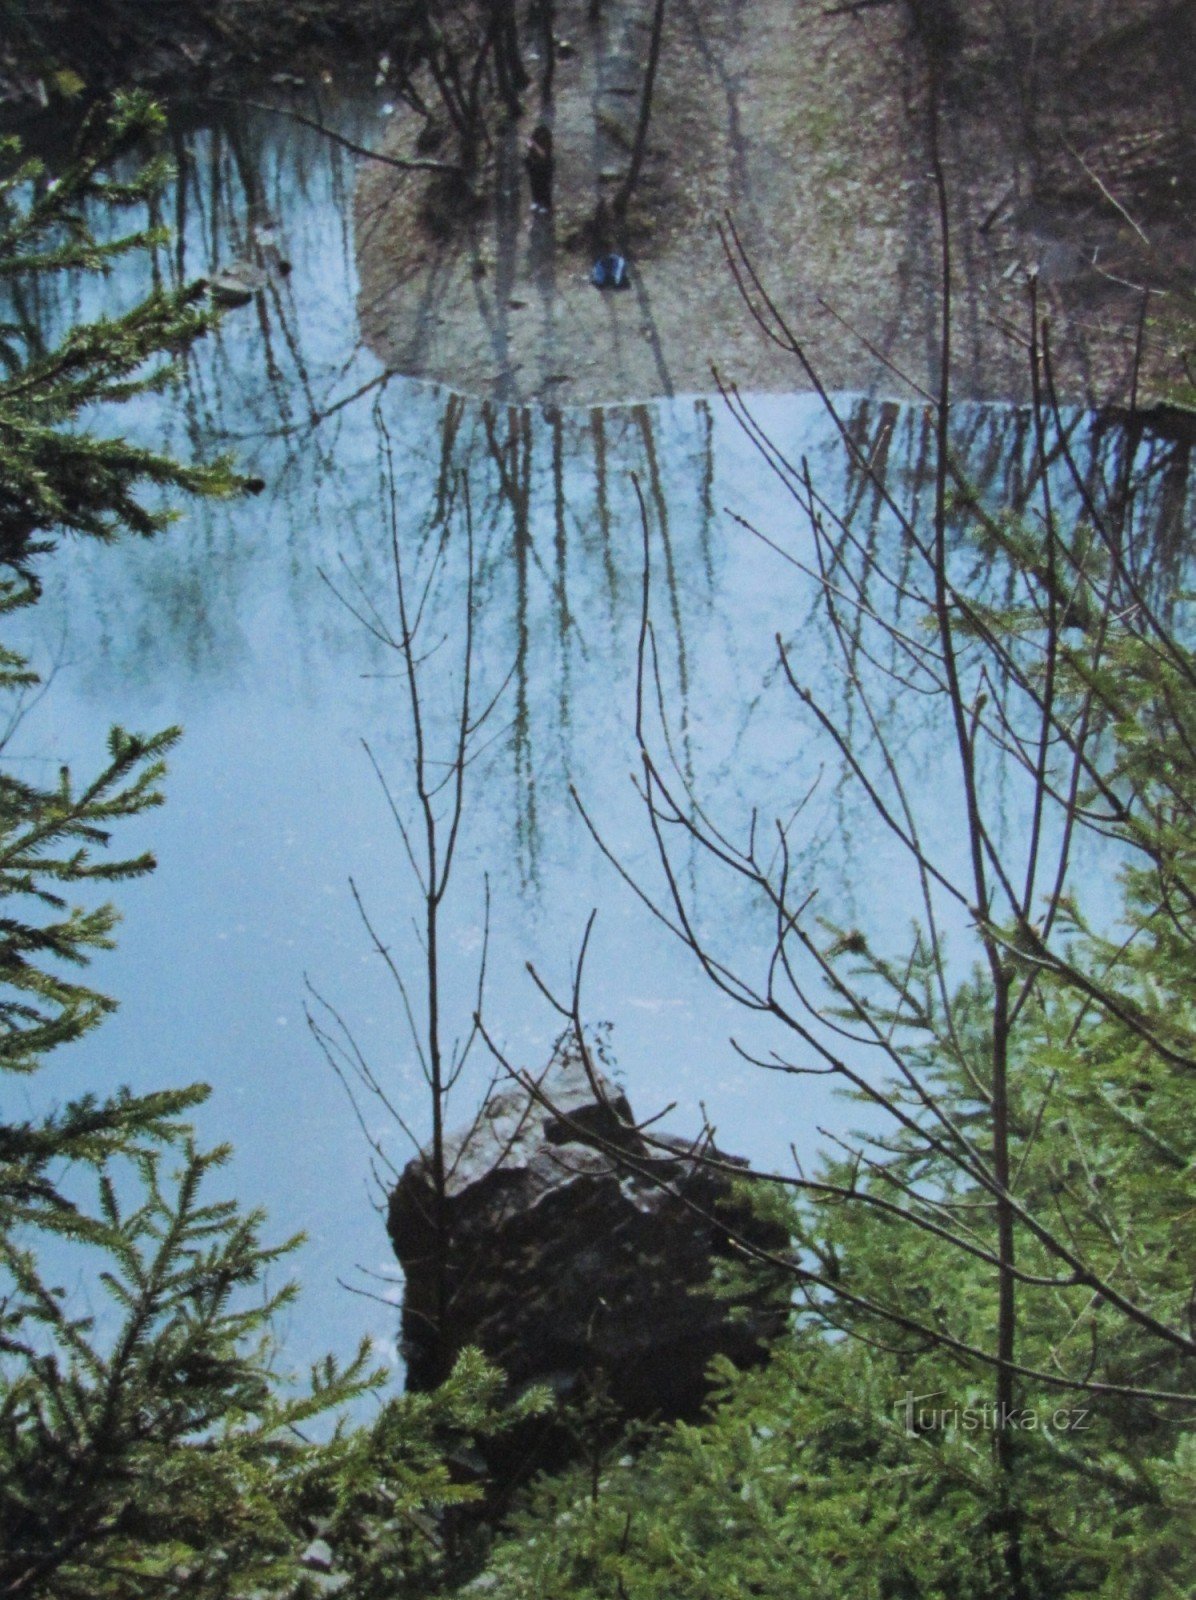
[987,1418]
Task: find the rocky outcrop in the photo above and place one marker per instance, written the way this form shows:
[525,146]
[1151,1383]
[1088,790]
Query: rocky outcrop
[568,1260]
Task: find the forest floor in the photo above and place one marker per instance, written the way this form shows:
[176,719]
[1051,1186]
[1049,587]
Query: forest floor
[808,125]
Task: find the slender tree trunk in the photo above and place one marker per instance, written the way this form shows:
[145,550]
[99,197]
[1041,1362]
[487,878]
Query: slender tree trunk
[1005,1438]
[439,1174]
[1006,1282]
[623,198]
[512,74]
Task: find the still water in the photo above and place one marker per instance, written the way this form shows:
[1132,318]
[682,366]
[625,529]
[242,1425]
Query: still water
[236,626]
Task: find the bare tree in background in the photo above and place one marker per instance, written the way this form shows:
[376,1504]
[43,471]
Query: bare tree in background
[453,59]
[428,821]
[1038,644]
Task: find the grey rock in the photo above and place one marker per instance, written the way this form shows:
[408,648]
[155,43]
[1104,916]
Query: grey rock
[564,1262]
[236,285]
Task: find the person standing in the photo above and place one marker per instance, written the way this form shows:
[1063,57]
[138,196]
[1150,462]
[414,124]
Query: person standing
[539,163]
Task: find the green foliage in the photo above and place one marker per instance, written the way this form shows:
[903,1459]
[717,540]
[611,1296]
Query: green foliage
[802,1484]
[166,1454]
[149,1444]
[807,1485]
[861,1462]
[58,475]
[387,1499]
[128,1453]
[52,839]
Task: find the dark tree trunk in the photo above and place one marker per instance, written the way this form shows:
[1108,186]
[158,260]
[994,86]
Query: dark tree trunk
[623,198]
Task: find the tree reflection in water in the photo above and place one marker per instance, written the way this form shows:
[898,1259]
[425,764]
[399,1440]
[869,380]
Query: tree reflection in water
[226,625]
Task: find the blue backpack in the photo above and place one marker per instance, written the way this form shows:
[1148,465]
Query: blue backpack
[610,272]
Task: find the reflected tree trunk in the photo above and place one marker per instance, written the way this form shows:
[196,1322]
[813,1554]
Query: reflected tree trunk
[626,189]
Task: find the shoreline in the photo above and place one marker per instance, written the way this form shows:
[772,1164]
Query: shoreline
[811,130]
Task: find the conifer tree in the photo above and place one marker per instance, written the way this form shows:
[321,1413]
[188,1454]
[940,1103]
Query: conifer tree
[861,1462]
[148,1445]
[58,477]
